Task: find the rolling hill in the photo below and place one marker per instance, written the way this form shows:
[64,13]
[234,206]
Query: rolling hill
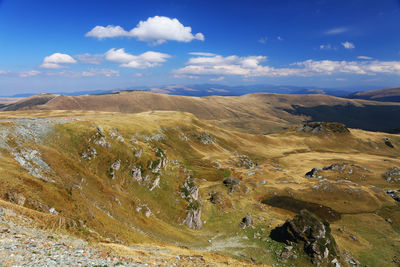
[387,95]
[165,179]
[253,113]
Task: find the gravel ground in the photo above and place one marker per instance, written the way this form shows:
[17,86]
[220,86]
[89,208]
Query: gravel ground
[21,245]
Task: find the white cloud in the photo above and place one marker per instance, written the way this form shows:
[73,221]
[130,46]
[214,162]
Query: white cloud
[88,73]
[220,78]
[364,57]
[2,72]
[348,45]
[336,31]
[90,59]
[98,72]
[251,67]
[29,73]
[159,29]
[146,60]
[110,31]
[138,75]
[279,38]
[156,30]
[204,54]
[53,61]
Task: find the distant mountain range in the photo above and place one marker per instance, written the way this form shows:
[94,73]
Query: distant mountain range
[215,89]
[386,95]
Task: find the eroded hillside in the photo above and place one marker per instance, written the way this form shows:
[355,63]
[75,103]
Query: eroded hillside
[170,179]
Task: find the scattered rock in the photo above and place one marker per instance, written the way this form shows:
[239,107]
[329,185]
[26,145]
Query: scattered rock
[395,194]
[15,197]
[102,141]
[246,221]
[215,198]
[388,142]
[89,154]
[392,175]
[314,173]
[116,165]
[53,211]
[353,237]
[138,153]
[156,183]
[324,128]
[136,173]
[232,183]
[206,138]
[244,161]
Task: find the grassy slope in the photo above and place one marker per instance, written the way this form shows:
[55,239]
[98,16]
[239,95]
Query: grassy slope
[253,113]
[364,209]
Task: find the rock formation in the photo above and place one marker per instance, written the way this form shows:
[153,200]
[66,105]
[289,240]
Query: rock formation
[313,235]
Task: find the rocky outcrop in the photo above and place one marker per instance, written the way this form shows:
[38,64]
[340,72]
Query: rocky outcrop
[193,219]
[89,154]
[136,173]
[244,161]
[312,235]
[156,183]
[388,142]
[215,198]
[206,138]
[392,175]
[395,194]
[324,128]
[232,183]
[343,168]
[313,173]
[246,221]
[190,192]
[15,197]
[115,166]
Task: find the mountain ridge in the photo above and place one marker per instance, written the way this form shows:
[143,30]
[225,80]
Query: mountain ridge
[255,113]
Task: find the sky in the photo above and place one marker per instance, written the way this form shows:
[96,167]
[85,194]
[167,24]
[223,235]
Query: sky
[70,45]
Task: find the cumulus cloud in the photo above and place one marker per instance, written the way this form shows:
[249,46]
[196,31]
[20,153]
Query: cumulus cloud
[146,60]
[55,60]
[348,45]
[335,31]
[29,73]
[90,59]
[155,30]
[252,66]
[2,72]
[364,57]
[109,31]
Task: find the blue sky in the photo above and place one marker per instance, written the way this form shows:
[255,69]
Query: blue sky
[71,45]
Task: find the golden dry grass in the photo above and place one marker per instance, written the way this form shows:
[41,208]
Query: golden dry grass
[283,158]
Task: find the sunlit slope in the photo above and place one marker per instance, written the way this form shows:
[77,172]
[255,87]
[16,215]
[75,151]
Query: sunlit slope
[253,113]
[145,178]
